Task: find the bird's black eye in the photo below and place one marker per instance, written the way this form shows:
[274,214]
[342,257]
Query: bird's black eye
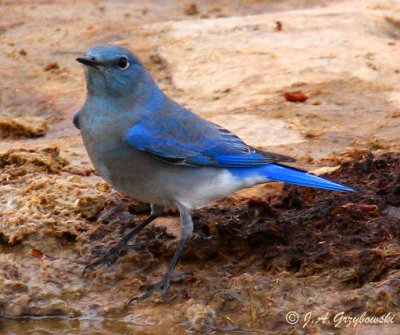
[123,63]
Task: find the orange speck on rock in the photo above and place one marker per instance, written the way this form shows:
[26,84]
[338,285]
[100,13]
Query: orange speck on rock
[51,66]
[363,207]
[191,9]
[297,96]
[37,253]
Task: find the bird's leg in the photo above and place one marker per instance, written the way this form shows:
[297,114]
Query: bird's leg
[112,254]
[186,233]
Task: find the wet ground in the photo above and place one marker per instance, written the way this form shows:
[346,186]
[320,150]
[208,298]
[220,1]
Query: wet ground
[321,86]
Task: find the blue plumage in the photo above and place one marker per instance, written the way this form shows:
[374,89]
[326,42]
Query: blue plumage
[178,136]
[286,174]
[155,150]
[197,152]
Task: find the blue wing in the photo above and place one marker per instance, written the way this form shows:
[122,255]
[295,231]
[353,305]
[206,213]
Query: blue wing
[182,138]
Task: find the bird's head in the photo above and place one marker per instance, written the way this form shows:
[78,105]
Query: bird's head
[112,71]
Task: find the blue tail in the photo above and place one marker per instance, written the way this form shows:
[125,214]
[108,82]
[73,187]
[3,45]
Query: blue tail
[298,177]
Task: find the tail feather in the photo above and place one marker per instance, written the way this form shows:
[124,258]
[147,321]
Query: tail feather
[298,177]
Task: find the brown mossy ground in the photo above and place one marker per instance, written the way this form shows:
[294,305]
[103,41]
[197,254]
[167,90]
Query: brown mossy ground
[39,193]
[22,127]
[250,261]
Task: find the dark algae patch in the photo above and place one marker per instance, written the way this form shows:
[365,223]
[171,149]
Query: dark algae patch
[251,261]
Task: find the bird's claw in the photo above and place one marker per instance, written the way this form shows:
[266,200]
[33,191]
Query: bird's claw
[161,286]
[109,257]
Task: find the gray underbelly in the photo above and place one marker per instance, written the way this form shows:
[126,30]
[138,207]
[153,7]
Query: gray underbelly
[143,177]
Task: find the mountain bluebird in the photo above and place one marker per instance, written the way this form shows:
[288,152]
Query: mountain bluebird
[153,149]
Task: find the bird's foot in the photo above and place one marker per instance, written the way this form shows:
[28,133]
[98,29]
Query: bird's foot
[108,257]
[161,286]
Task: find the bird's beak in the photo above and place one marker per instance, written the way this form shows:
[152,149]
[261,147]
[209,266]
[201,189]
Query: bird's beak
[88,61]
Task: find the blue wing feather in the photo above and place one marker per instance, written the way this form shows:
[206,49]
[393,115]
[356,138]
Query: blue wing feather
[180,137]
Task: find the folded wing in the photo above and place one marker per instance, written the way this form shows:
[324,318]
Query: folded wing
[182,138]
